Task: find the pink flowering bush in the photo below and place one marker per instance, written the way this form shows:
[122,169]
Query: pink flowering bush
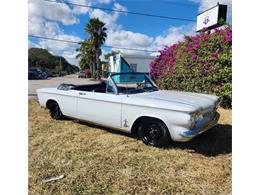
[200,63]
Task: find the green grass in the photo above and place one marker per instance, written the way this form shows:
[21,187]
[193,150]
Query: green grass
[97,160]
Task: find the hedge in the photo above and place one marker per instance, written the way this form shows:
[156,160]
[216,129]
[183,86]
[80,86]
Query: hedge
[200,63]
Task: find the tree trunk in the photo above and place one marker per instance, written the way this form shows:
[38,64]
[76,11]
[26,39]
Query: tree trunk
[91,69]
[94,70]
[97,65]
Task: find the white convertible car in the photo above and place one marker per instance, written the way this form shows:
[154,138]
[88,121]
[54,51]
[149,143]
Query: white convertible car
[131,102]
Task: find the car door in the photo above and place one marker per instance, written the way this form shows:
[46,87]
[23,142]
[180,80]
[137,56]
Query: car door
[100,108]
[67,100]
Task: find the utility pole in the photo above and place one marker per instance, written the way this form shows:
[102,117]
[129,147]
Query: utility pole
[60,66]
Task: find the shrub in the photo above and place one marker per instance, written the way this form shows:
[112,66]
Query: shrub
[200,63]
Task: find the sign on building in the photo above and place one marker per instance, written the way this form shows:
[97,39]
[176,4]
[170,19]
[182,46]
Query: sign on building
[210,18]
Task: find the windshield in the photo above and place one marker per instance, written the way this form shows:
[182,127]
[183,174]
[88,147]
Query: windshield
[129,83]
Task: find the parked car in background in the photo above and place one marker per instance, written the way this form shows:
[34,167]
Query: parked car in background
[35,73]
[82,74]
[32,75]
[49,74]
[131,102]
[44,75]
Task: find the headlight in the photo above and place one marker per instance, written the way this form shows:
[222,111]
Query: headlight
[194,118]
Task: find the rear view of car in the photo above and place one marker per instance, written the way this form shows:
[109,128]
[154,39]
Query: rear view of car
[82,74]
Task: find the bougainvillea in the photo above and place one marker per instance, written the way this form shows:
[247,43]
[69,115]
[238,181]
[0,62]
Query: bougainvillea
[200,63]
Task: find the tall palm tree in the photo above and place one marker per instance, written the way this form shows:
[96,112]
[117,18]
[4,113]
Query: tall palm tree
[87,55]
[97,32]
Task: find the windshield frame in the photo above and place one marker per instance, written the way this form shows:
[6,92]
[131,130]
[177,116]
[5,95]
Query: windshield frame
[154,86]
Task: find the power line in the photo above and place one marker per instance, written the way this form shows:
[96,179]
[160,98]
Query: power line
[122,11]
[53,39]
[75,42]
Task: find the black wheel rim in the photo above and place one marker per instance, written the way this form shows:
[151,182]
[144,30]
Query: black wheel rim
[152,133]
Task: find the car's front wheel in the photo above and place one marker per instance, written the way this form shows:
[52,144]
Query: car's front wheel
[55,111]
[154,132]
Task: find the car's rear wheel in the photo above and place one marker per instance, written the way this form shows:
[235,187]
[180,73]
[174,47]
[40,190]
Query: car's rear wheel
[154,132]
[55,111]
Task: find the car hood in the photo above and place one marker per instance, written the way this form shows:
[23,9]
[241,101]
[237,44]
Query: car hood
[175,100]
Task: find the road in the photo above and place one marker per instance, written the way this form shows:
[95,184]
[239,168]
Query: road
[33,85]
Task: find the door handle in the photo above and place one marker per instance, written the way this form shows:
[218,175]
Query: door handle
[82,93]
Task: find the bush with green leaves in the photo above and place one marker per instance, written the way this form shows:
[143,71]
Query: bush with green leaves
[200,63]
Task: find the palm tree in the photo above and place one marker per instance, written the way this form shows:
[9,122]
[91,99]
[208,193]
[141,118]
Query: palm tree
[86,55]
[97,32]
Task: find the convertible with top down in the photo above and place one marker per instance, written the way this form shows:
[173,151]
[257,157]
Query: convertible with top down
[131,102]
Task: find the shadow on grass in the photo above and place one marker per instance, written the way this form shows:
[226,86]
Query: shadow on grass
[106,129]
[213,142]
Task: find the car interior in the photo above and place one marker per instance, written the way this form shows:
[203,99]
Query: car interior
[102,88]
[99,87]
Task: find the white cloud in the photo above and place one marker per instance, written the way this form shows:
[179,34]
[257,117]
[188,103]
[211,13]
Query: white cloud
[80,9]
[107,18]
[71,57]
[67,50]
[128,39]
[124,38]
[52,29]
[43,21]
[44,18]
[119,7]
[36,26]
[41,27]
[58,45]
[173,35]
[59,12]
[104,1]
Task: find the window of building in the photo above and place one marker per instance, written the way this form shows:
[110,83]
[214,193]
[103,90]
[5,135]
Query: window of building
[133,67]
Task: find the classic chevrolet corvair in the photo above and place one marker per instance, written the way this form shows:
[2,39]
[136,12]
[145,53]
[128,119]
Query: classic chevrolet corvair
[131,102]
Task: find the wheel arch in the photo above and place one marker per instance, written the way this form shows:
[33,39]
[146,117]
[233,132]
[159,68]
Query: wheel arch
[48,102]
[138,120]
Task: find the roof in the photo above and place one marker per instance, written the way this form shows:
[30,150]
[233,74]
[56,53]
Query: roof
[138,56]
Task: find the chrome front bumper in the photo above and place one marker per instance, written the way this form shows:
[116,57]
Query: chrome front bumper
[200,128]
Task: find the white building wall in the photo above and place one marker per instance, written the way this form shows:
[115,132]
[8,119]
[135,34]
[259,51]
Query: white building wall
[142,62]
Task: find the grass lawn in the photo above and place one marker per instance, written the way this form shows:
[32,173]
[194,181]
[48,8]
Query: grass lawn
[97,160]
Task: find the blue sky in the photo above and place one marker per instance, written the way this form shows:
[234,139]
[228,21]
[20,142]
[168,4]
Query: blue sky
[63,21]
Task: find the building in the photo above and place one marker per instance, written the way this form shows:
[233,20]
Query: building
[139,63]
[128,63]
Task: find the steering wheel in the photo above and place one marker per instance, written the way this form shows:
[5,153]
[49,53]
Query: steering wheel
[140,85]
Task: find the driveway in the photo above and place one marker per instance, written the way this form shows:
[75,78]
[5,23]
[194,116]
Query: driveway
[33,85]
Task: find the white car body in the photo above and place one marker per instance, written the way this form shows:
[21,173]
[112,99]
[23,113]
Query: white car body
[120,111]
